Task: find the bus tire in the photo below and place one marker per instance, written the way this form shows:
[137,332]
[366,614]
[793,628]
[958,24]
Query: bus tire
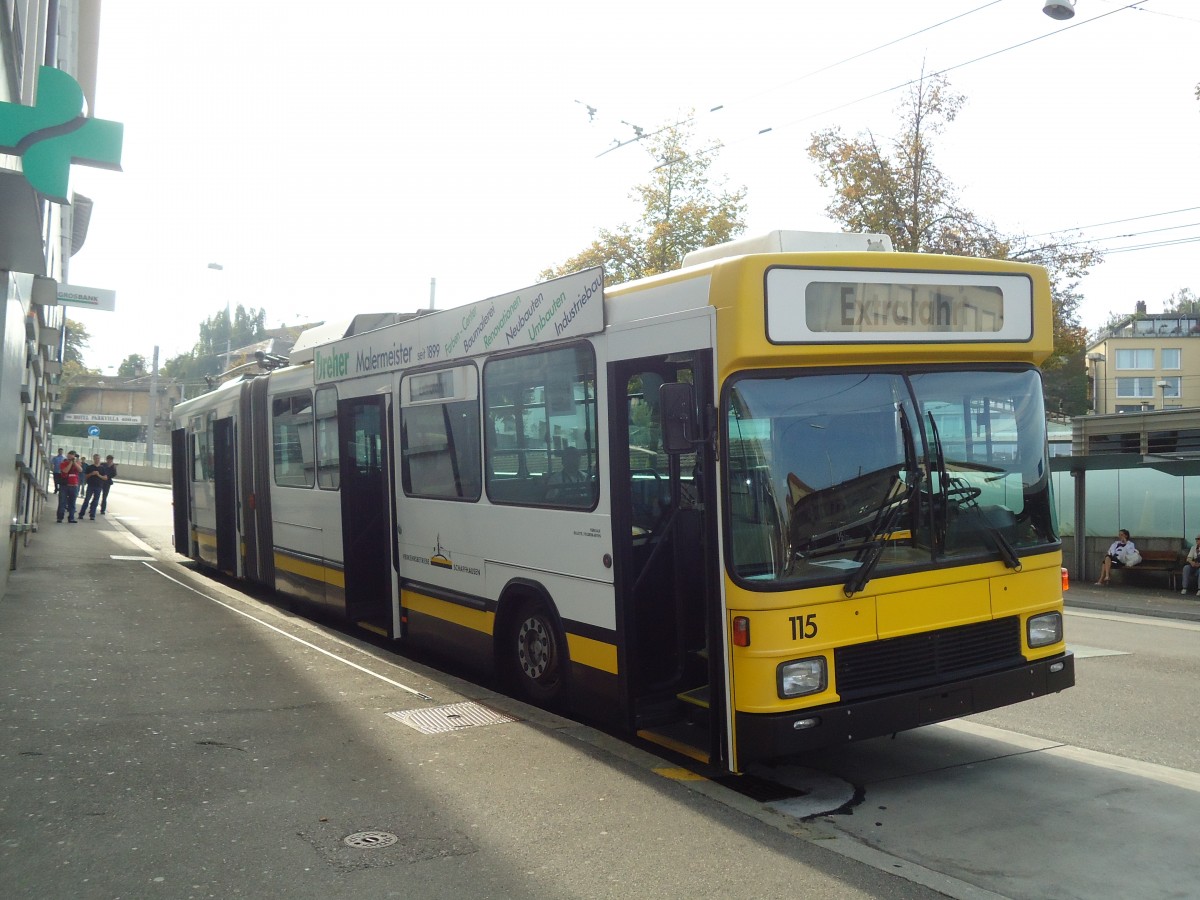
[536,653]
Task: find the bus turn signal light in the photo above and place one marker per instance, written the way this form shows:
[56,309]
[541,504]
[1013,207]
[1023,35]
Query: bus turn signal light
[741,631]
[1066,578]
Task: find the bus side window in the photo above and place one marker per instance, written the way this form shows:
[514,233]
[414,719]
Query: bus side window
[328,450]
[539,406]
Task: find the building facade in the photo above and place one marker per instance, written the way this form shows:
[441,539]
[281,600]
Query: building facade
[38,233]
[1146,362]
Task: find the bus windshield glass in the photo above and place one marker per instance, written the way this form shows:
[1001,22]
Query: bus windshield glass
[833,477]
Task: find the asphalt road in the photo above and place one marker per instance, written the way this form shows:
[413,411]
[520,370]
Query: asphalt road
[163,735]
[1093,793]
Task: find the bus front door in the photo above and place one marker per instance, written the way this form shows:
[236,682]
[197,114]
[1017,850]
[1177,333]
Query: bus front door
[665,562]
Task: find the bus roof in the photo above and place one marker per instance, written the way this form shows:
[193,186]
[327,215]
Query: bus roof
[790,242]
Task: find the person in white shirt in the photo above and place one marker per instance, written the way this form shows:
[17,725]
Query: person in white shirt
[1116,551]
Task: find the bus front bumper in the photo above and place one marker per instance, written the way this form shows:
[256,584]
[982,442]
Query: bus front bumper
[768,736]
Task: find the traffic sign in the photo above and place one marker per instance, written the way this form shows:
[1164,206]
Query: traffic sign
[93,431]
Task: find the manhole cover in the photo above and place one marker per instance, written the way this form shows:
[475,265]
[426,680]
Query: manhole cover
[440,719]
[369,840]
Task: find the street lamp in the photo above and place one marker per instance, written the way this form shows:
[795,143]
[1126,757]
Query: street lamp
[1162,386]
[1094,359]
[1059,9]
[217,267]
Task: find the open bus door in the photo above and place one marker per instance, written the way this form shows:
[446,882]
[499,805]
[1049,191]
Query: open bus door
[181,472]
[366,508]
[225,474]
[666,558]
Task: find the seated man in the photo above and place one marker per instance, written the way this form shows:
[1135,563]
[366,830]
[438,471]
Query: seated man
[1191,570]
[570,486]
[569,473]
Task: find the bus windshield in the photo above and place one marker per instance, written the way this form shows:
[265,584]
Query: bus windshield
[851,475]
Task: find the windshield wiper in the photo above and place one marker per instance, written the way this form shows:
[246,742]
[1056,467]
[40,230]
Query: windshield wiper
[1007,552]
[889,511]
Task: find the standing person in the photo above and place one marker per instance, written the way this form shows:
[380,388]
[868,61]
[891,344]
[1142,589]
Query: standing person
[55,468]
[93,480]
[1116,553]
[1191,569]
[108,470]
[71,471]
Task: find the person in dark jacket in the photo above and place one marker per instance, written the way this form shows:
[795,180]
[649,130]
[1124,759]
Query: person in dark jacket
[108,471]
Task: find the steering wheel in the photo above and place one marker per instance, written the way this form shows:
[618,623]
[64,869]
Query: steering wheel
[962,493]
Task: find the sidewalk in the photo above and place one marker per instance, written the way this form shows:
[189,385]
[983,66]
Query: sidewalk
[164,736]
[1138,597]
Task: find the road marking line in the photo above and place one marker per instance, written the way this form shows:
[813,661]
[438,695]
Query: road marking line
[1179,778]
[133,538]
[132,558]
[341,659]
[1132,619]
[1083,652]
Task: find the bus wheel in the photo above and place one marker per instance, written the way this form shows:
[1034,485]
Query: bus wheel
[538,661]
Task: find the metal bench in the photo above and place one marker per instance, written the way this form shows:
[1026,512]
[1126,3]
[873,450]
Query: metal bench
[1156,561]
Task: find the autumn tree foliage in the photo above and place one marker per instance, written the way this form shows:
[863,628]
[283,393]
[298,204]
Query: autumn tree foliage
[894,186]
[682,210]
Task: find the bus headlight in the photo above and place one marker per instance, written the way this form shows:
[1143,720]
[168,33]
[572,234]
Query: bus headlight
[1045,629]
[801,676]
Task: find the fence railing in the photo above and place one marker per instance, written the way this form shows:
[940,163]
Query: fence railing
[130,453]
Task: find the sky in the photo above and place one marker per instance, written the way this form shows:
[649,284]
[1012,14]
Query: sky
[343,158]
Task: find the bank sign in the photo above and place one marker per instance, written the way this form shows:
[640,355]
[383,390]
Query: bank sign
[53,133]
[567,307]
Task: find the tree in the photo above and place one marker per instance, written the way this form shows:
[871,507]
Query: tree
[681,211]
[133,366]
[1183,302]
[897,189]
[217,333]
[75,340]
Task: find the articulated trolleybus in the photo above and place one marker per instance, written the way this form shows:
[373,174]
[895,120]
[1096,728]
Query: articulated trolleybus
[794,494]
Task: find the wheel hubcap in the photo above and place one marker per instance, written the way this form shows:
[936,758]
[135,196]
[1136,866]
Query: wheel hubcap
[534,646]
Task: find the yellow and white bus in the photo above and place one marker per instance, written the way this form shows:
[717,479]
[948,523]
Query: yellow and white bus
[794,494]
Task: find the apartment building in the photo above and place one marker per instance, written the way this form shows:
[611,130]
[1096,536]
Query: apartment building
[1149,361]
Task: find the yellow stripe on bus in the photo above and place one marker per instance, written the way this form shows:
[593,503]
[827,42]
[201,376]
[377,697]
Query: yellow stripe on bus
[310,570]
[593,654]
[475,619]
[585,651]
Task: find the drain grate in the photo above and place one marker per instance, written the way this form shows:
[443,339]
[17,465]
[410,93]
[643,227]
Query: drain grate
[370,840]
[456,716]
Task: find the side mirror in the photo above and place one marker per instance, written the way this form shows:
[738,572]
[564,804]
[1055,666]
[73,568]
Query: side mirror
[677,405]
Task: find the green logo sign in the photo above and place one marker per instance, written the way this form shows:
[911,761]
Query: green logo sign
[53,133]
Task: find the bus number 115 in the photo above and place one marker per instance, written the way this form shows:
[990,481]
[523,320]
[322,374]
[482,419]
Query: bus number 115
[803,627]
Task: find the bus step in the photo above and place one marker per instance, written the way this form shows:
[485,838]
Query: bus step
[679,737]
[380,630]
[696,696]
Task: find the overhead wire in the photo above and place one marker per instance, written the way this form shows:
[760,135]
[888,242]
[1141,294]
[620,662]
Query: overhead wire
[1169,212]
[961,65]
[1138,6]
[640,134]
